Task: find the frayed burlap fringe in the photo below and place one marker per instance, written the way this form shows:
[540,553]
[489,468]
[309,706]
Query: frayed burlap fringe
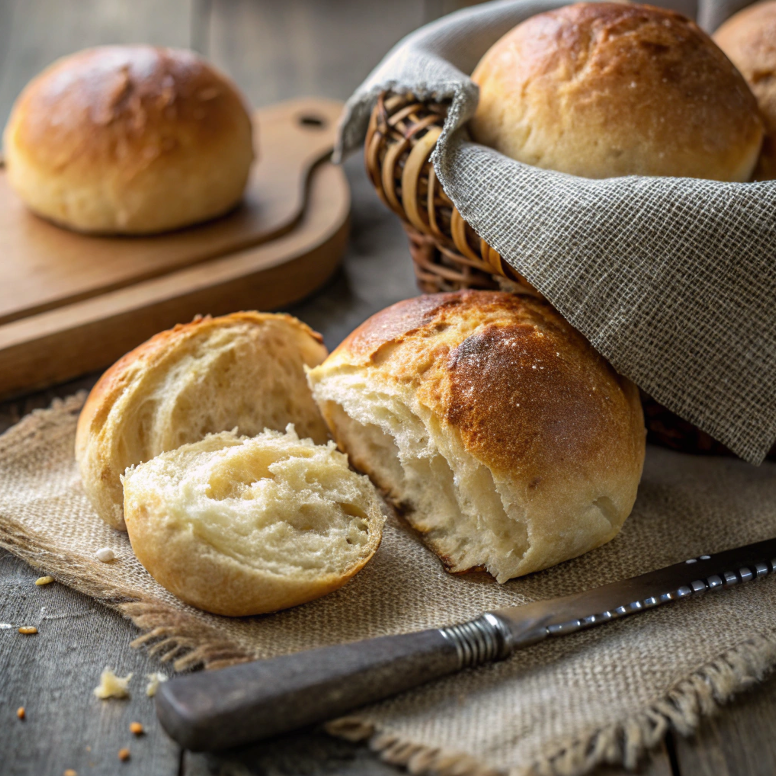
[681,710]
[167,633]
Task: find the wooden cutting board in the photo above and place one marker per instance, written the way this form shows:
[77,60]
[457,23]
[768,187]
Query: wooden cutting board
[71,303]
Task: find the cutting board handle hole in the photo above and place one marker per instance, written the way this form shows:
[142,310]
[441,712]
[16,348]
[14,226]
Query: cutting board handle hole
[311,120]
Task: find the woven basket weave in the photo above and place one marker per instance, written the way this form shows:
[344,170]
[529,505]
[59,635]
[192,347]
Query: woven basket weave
[447,253]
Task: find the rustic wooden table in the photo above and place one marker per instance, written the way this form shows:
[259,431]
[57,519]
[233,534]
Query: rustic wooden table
[274,51]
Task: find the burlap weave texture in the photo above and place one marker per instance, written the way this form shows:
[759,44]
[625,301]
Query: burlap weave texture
[672,279]
[557,708]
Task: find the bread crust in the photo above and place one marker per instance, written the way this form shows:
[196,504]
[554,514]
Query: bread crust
[112,407]
[602,90]
[749,39]
[129,139]
[212,581]
[522,392]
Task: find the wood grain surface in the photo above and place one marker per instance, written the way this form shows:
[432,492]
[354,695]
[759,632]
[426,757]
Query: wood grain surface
[53,676]
[47,267]
[59,344]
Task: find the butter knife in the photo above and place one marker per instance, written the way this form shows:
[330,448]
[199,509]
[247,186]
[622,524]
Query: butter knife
[218,709]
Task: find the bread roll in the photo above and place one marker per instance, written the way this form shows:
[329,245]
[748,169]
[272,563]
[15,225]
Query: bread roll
[749,39]
[505,439]
[246,526]
[129,140]
[243,371]
[605,89]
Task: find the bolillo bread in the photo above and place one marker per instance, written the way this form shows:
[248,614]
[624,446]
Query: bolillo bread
[247,526]
[243,371]
[749,39]
[505,439]
[602,90]
[129,140]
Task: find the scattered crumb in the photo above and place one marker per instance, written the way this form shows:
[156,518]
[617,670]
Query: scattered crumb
[88,749]
[136,728]
[28,630]
[153,684]
[5,625]
[47,580]
[123,755]
[112,686]
[105,554]
[21,713]
[70,772]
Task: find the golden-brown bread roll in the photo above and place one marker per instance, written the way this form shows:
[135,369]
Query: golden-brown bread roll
[749,39]
[129,139]
[243,371]
[246,526]
[605,89]
[505,439]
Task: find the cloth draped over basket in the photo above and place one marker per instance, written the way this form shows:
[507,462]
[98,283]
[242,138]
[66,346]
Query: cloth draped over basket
[672,279]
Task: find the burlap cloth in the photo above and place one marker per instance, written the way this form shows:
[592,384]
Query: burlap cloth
[672,279]
[557,708]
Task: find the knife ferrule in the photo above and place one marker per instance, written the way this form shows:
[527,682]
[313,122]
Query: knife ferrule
[480,641]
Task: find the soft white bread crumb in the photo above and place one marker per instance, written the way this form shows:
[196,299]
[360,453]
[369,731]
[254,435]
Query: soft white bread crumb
[154,680]
[241,526]
[112,686]
[105,554]
[244,371]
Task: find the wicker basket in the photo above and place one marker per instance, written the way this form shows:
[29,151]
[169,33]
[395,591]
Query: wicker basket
[447,253]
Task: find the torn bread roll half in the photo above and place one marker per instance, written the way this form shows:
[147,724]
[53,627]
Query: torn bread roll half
[243,371]
[504,438]
[240,526]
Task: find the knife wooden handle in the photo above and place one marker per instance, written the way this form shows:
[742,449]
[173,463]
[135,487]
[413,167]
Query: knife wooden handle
[231,706]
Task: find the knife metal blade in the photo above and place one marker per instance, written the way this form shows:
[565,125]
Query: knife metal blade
[243,703]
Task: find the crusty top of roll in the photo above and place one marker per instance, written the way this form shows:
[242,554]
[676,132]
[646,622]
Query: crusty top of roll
[151,100]
[749,39]
[120,122]
[524,388]
[607,89]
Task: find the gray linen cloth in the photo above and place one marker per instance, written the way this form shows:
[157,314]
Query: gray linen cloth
[672,279]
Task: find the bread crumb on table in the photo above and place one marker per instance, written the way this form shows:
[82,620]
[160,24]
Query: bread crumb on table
[136,728]
[105,554]
[70,772]
[28,630]
[21,713]
[47,580]
[123,755]
[112,686]
[153,684]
